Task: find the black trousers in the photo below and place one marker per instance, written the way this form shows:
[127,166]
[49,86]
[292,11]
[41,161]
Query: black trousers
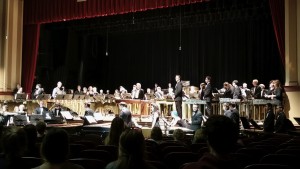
[208,109]
[179,108]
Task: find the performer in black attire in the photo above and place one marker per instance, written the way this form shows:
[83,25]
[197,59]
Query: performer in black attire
[208,95]
[178,95]
[269,120]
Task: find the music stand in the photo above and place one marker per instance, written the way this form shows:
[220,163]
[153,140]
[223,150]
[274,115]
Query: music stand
[20,120]
[36,118]
[98,116]
[68,96]
[254,124]
[20,96]
[67,115]
[90,119]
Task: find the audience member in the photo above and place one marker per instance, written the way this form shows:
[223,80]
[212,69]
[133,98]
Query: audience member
[41,129]
[179,135]
[14,143]
[156,135]
[32,149]
[222,136]
[199,137]
[55,150]
[116,129]
[131,151]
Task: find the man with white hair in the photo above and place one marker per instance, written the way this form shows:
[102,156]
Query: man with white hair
[139,92]
[59,89]
[255,90]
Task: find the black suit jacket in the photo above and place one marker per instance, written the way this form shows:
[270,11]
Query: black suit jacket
[236,93]
[141,94]
[280,122]
[38,110]
[269,121]
[208,93]
[178,92]
[256,93]
[196,121]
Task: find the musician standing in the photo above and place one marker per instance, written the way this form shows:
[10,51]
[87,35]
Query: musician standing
[78,91]
[236,90]
[59,89]
[139,93]
[178,95]
[38,91]
[255,90]
[208,95]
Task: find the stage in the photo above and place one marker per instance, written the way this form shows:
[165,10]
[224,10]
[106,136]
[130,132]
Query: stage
[146,129]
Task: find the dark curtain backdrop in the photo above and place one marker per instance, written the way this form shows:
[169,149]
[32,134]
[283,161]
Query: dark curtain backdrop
[241,50]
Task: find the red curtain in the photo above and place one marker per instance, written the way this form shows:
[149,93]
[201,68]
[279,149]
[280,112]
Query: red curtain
[44,11]
[31,35]
[277,12]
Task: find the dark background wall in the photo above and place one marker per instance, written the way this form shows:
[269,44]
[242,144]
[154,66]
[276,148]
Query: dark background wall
[228,40]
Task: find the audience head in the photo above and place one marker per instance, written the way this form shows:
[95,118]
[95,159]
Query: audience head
[132,144]
[178,135]
[41,127]
[221,134]
[156,134]
[199,137]
[117,127]
[55,146]
[14,142]
[31,133]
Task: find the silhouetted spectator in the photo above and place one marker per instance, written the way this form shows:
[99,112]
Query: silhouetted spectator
[32,149]
[199,137]
[41,129]
[222,135]
[14,143]
[55,150]
[131,151]
[116,129]
[156,135]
